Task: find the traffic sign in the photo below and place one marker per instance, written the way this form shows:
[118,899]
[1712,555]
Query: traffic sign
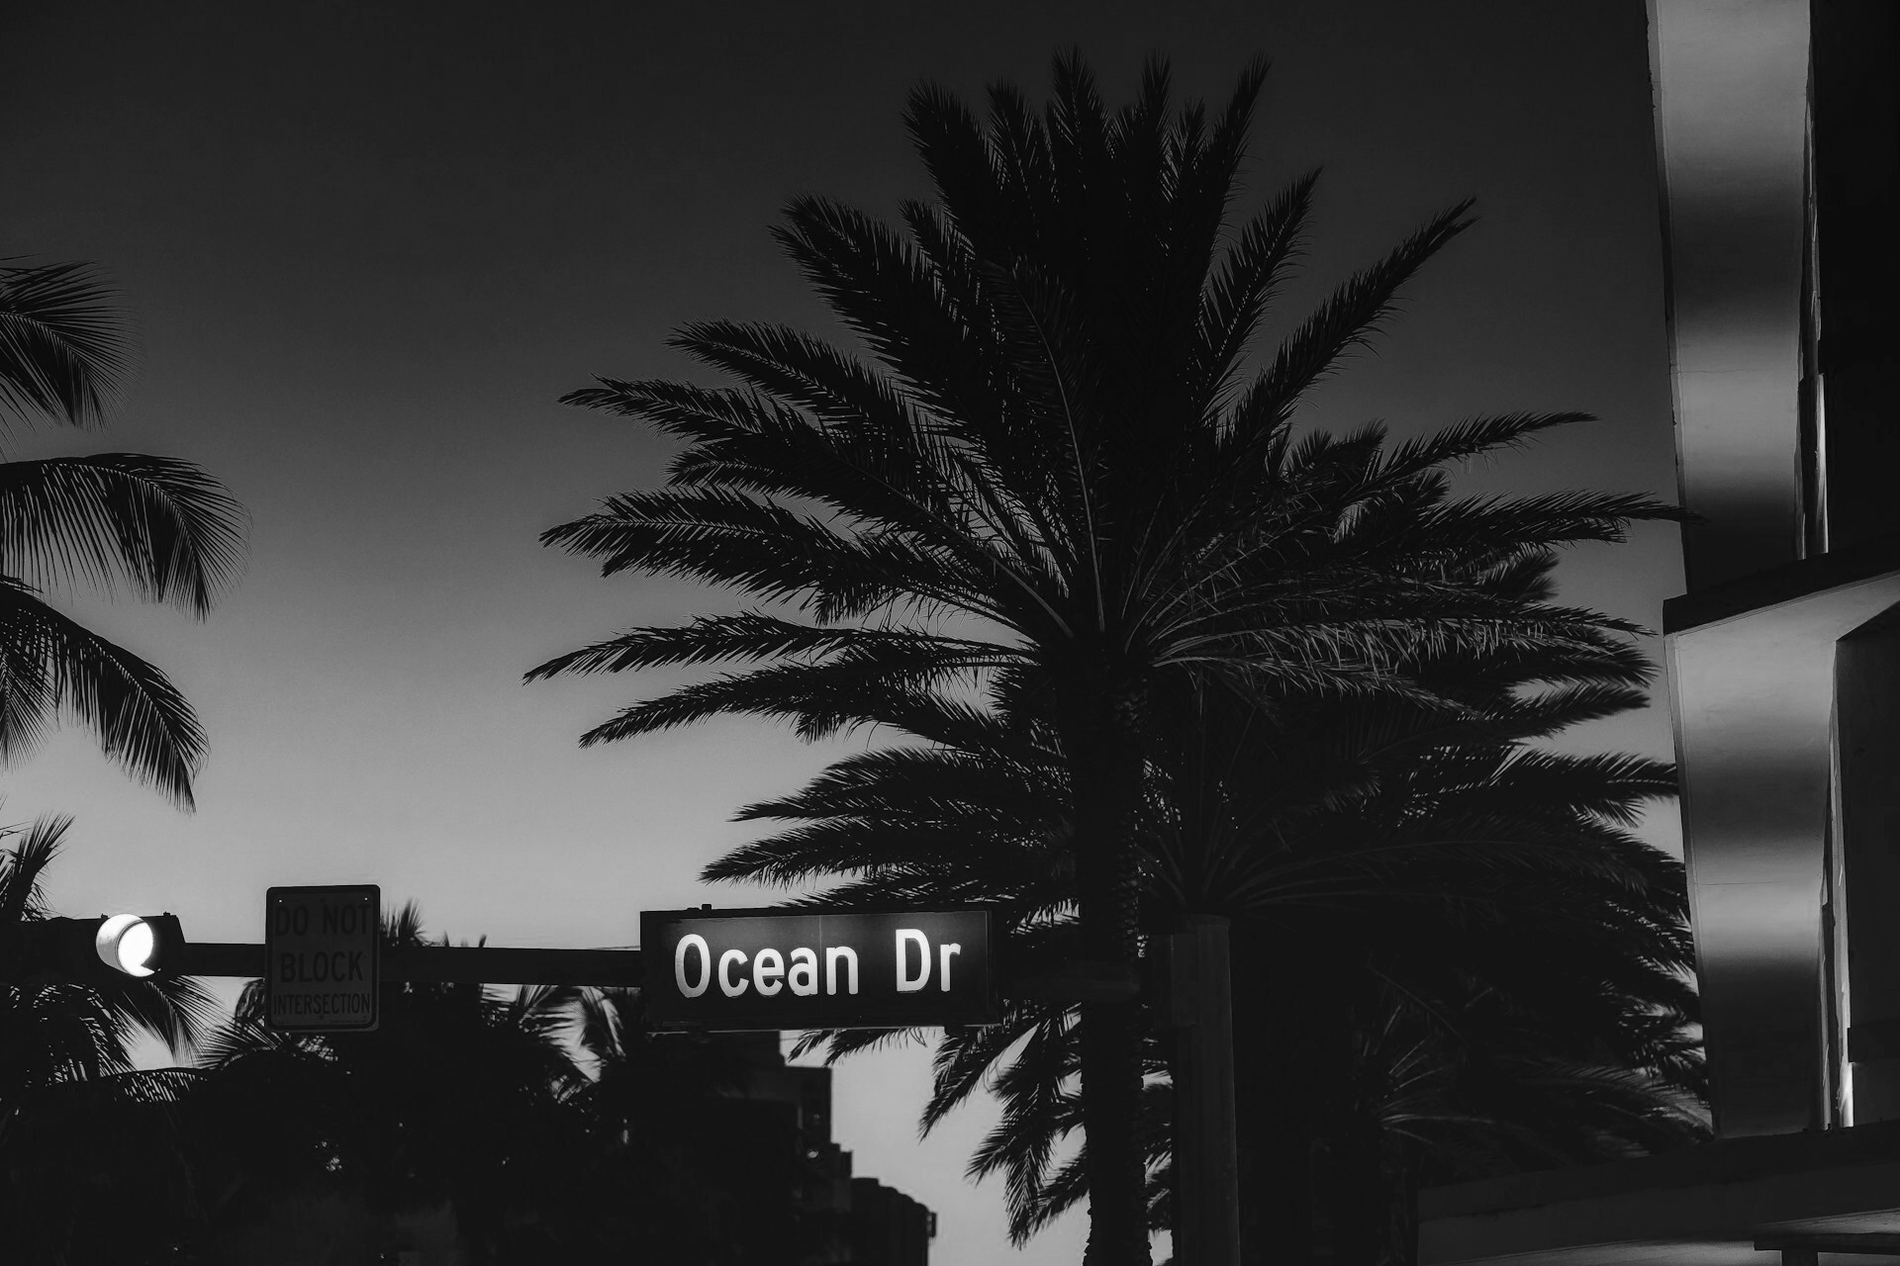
[320,957]
[771,969]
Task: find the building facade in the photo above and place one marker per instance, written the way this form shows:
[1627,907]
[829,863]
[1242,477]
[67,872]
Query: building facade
[844,1220]
[1778,151]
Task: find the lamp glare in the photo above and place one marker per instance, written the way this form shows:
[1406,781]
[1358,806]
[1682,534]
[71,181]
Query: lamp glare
[125,943]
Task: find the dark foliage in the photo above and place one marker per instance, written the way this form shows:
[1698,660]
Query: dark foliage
[161,527]
[1452,958]
[1051,479]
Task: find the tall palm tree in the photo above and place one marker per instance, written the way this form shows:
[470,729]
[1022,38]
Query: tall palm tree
[161,527]
[1418,893]
[1056,476]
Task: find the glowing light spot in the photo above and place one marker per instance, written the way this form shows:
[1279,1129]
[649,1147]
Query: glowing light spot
[125,943]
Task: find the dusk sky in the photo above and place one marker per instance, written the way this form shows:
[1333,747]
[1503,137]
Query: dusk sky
[365,249]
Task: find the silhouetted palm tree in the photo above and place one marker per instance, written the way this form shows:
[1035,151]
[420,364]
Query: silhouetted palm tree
[82,1132]
[1054,476]
[1419,893]
[52,1033]
[162,527]
[455,1101]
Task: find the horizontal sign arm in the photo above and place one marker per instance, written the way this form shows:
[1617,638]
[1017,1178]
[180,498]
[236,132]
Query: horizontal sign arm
[494,965]
[443,964]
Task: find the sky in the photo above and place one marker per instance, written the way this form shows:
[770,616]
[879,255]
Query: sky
[366,248]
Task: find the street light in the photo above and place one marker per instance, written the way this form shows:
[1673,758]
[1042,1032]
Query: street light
[99,951]
[128,943]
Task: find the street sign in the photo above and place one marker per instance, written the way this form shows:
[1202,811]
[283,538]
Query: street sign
[320,957]
[772,969]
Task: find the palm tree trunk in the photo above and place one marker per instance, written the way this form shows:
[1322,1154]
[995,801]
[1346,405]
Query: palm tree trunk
[1111,1100]
[1102,740]
[1405,1232]
[1272,1097]
[1362,1195]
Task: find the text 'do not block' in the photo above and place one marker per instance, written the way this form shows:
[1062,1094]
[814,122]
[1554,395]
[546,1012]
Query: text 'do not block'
[321,957]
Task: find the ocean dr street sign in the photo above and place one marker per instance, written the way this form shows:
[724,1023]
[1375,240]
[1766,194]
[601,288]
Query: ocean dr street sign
[769,969]
[320,957]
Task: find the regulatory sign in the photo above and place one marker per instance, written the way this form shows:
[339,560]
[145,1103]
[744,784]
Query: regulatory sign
[320,955]
[768,969]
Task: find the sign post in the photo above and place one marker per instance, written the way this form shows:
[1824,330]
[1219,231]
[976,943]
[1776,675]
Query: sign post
[320,958]
[1198,1004]
[736,970]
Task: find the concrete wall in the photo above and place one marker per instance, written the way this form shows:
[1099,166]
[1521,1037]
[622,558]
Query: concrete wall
[1731,82]
[1867,675]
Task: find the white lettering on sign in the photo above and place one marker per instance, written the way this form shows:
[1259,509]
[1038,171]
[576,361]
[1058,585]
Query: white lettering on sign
[770,973]
[803,978]
[829,969]
[692,940]
[833,956]
[728,986]
[907,983]
[767,967]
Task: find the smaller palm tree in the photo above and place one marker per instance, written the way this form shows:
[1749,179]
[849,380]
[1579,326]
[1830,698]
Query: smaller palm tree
[457,1101]
[161,527]
[51,1034]
[81,1129]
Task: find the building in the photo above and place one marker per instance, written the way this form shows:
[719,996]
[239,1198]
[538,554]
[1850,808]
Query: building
[844,1220]
[888,1228]
[751,1177]
[1778,145]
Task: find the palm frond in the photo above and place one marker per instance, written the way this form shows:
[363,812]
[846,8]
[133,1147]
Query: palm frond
[48,663]
[61,348]
[1347,319]
[164,526]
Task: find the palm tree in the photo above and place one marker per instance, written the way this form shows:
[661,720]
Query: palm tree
[1056,477]
[80,1128]
[1496,1020]
[162,527]
[457,1101]
[1464,1081]
[52,1034]
[1418,894]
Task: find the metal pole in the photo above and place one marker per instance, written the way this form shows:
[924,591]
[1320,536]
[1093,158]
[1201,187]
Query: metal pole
[1206,1154]
[442,964]
[501,965]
